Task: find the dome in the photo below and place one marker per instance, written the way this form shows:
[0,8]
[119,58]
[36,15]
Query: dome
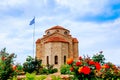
[56,27]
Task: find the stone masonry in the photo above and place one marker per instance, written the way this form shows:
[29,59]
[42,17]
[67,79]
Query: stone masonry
[56,46]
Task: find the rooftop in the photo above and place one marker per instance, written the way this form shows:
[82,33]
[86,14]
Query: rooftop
[56,27]
[56,39]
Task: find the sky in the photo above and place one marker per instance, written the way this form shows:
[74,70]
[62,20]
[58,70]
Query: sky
[95,23]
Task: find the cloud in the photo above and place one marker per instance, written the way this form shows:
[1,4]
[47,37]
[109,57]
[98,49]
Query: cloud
[92,22]
[92,10]
[84,7]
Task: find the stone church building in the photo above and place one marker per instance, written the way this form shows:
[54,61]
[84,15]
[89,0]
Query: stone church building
[56,46]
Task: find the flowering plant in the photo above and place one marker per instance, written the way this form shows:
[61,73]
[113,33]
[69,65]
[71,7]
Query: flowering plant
[89,69]
[7,67]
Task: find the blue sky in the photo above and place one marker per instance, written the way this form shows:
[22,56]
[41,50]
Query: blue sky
[96,24]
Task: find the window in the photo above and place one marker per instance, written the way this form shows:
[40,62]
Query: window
[57,30]
[65,32]
[47,59]
[56,59]
[64,59]
[48,33]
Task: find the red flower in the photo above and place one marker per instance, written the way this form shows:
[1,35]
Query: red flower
[80,58]
[91,62]
[114,67]
[106,66]
[84,69]
[71,69]
[97,65]
[3,58]
[14,67]
[78,63]
[69,61]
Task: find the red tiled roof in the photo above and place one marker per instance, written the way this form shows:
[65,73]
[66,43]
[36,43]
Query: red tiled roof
[57,27]
[56,39]
[38,41]
[75,40]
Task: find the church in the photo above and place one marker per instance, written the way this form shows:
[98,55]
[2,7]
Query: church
[56,46]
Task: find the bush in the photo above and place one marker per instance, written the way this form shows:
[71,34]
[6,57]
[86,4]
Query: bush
[99,57]
[7,67]
[65,69]
[55,70]
[48,70]
[93,69]
[32,65]
[43,71]
[32,76]
[19,69]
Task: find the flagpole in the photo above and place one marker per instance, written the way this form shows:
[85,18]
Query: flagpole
[33,39]
[31,23]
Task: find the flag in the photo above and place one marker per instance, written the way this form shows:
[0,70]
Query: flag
[32,21]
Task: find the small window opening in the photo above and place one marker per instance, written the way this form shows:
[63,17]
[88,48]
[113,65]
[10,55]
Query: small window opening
[56,59]
[64,59]
[47,59]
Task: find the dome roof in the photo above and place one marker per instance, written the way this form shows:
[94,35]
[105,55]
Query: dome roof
[56,27]
[75,40]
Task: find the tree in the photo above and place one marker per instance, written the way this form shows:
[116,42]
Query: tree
[6,65]
[32,65]
[99,57]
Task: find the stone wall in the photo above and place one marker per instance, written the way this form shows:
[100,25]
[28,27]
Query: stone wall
[57,43]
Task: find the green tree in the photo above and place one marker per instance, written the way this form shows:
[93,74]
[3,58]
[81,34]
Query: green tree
[99,57]
[6,65]
[32,65]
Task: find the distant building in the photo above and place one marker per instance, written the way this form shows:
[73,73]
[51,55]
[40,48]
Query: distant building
[56,46]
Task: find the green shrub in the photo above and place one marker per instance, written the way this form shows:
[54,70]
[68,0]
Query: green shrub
[99,57]
[43,71]
[51,69]
[48,70]
[6,65]
[32,65]
[55,70]
[32,76]
[65,69]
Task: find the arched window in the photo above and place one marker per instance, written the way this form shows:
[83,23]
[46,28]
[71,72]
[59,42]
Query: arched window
[57,30]
[64,59]
[48,33]
[65,32]
[56,59]
[47,59]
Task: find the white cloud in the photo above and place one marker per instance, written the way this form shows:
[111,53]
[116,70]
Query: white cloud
[84,7]
[5,4]
[16,34]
